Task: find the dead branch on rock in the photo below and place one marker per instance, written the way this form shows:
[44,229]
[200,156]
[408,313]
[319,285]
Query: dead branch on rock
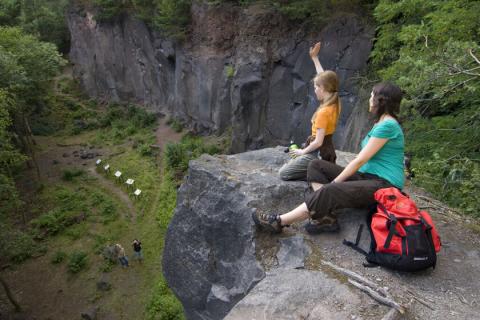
[358,278]
[414,296]
[378,297]
[371,288]
[393,314]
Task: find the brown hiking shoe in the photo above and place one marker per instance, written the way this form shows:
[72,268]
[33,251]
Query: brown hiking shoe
[270,222]
[324,224]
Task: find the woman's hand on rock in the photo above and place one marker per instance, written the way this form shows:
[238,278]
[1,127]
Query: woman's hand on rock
[315,50]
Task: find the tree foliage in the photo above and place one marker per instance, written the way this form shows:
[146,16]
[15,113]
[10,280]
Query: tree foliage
[431,49]
[43,18]
[27,65]
[169,16]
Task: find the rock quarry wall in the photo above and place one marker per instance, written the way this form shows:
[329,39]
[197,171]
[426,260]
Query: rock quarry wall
[243,70]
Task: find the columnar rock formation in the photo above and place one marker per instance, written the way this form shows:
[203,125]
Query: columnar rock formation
[243,70]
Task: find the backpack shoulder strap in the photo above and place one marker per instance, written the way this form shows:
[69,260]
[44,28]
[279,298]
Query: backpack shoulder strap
[354,245]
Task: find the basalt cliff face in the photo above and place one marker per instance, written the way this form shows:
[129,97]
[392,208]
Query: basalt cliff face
[244,70]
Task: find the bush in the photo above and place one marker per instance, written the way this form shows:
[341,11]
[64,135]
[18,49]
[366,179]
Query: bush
[17,246]
[176,125]
[176,157]
[145,149]
[73,206]
[69,175]
[78,260]
[163,305]
[50,222]
[58,257]
[107,266]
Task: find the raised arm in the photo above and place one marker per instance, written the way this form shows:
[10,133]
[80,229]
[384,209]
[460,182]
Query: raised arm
[314,55]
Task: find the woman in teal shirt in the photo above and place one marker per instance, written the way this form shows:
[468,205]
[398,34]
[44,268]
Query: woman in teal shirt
[378,165]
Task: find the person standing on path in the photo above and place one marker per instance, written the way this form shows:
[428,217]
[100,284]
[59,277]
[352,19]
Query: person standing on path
[122,257]
[137,250]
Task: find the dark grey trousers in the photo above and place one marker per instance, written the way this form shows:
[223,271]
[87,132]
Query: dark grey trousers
[356,192]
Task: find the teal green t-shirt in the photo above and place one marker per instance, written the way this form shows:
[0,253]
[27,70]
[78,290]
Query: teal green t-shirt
[387,163]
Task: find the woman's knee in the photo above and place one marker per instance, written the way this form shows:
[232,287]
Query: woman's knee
[315,172]
[321,202]
[283,173]
[286,173]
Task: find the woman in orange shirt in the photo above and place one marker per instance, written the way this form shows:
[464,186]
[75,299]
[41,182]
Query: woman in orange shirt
[324,122]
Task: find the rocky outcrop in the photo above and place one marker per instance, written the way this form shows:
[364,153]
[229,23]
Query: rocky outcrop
[220,266]
[242,69]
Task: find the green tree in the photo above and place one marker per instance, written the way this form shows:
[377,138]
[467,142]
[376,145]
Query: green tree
[431,49]
[42,18]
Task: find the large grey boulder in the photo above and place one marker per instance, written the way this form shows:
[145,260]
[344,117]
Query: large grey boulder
[300,294]
[209,256]
[220,266]
[242,69]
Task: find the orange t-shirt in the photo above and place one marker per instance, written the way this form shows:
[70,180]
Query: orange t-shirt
[326,118]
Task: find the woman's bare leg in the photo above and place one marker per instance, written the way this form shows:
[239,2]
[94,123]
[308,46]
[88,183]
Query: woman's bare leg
[316,185]
[300,213]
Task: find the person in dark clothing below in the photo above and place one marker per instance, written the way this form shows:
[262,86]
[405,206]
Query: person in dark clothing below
[378,165]
[137,250]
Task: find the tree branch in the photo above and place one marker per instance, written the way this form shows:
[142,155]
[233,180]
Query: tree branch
[473,56]
[375,295]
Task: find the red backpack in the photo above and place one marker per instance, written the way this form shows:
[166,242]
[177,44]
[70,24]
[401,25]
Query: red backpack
[402,236]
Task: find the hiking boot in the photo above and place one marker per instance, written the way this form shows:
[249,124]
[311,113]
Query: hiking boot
[325,224]
[270,222]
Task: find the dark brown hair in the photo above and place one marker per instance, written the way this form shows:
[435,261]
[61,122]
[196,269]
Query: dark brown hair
[386,99]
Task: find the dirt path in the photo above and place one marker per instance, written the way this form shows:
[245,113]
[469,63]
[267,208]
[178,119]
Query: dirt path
[165,134]
[117,191]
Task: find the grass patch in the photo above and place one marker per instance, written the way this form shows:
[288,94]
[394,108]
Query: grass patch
[69,205]
[177,155]
[77,261]
[163,304]
[17,245]
[58,257]
[70,174]
[175,124]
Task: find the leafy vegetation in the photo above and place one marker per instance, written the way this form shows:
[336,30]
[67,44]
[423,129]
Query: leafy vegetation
[42,18]
[77,261]
[431,49]
[177,155]
[58,257]
[16,245]
[173,16]
[169,16]
[163,305]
